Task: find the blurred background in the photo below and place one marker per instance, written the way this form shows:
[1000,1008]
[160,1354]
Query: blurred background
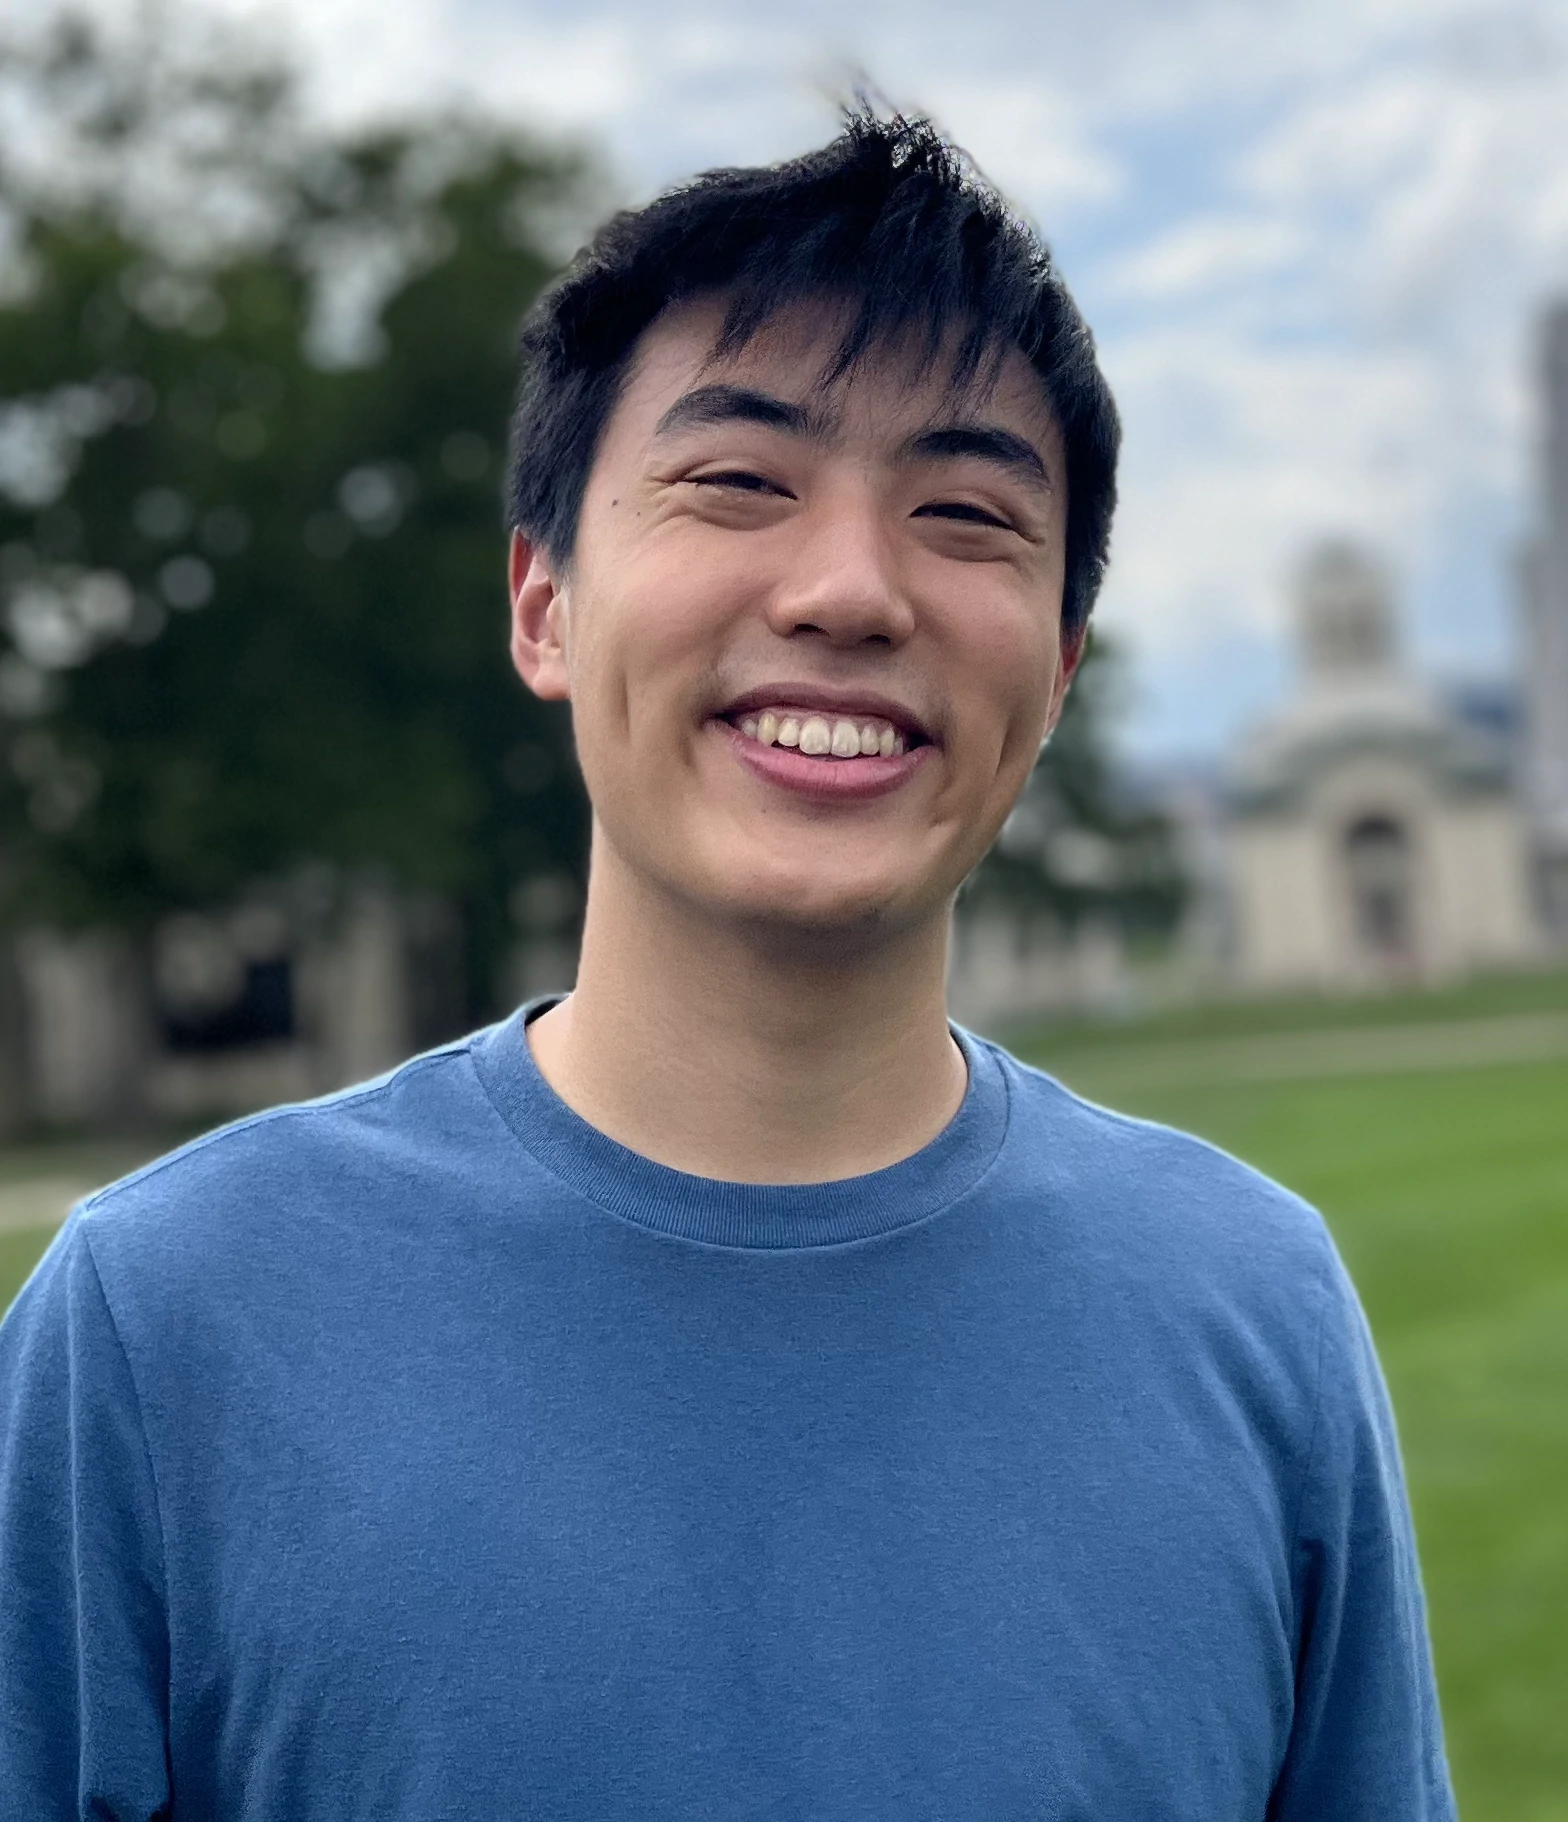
[1294,873]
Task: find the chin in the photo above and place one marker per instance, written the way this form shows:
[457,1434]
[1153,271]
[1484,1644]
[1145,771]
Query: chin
[840,912]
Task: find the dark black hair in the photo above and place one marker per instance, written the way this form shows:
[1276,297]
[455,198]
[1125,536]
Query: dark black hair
[889,220]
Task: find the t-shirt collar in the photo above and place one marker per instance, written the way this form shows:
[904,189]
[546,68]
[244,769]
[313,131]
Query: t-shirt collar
[757,1215]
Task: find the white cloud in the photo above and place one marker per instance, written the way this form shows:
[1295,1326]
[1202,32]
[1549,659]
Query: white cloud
[1208,254]
[366,59]
[1236,457]
[1029,138]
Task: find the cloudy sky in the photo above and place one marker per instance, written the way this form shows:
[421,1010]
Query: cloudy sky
[1313,239]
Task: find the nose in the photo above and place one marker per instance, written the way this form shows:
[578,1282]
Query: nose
[842,584]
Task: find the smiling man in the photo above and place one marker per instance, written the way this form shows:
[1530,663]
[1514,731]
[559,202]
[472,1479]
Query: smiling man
[731,1391]
[812,636]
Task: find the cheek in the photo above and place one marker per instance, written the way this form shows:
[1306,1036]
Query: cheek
[641,647]
[1014,663]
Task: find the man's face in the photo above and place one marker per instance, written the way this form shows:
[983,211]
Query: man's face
[763,569]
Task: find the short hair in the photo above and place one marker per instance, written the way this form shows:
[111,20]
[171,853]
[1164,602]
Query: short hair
[889,220]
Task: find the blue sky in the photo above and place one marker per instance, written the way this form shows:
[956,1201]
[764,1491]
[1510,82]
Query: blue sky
[1312,238]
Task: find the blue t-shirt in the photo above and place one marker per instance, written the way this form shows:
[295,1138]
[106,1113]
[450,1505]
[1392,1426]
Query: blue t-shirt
[422,1453]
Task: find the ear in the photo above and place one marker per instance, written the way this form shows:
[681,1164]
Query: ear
[1067,662]
[538,621]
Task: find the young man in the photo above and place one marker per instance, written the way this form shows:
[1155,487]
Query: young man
[730,1391]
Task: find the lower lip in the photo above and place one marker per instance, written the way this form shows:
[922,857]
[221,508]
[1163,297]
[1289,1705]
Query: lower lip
[827,780]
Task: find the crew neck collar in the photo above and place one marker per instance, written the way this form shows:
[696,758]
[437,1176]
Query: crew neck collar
[761,1216]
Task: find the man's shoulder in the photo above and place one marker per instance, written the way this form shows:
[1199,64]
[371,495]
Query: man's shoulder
[1172,1199]
[288,1168]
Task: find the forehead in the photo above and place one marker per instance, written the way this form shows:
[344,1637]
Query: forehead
[891,391]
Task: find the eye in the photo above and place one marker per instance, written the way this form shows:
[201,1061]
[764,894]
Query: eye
[961,510]
[742,480]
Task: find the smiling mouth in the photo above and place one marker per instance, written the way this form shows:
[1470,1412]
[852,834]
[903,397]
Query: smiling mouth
[826,737]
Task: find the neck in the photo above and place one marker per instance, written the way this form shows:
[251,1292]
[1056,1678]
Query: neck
[728,1053]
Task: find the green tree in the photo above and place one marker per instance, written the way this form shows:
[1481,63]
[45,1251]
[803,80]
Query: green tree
[1079,846]
[253,397]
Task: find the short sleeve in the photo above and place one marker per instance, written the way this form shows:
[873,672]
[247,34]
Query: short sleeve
[83,1637]
[1366,1741]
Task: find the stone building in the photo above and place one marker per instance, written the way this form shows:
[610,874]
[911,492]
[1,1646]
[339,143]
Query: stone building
[220,1013]
[1544,640]
[1373,834]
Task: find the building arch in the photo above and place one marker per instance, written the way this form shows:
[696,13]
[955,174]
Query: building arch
[1378,857]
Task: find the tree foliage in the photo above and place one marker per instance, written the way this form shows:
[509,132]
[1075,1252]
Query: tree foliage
[1079,847]
[253,394]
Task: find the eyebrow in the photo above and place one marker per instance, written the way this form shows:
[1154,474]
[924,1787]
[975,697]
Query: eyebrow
[1003,449]
[984,443]
[738,405]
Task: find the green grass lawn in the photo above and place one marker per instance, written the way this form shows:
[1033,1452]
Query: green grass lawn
[20,1249]
[1448,1194]
[38,1184]
[1447,1188]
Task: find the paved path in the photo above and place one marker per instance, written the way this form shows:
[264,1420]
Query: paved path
[1306,1055]
[39,1201]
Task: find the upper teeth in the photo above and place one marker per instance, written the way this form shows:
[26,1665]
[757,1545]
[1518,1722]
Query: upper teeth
[816,735]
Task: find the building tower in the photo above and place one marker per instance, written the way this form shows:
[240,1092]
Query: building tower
[1545,638]
[1345,617]
[1374,837]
